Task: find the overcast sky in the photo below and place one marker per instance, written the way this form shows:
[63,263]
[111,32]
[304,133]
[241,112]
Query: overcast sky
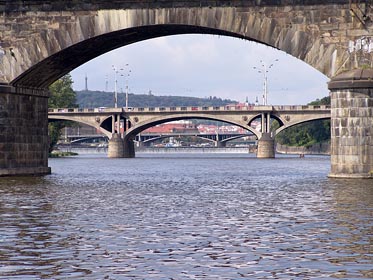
[202,66]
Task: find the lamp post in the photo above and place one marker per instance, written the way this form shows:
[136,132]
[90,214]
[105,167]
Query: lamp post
[264,69]
[126,82]
[115,87]
[127,87]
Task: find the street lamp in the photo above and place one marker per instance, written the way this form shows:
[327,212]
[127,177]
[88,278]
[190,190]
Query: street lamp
[116,71]
[126,82]
[264,70]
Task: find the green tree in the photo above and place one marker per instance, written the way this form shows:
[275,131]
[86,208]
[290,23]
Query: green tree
[309,133]
[323,101]
[62,95]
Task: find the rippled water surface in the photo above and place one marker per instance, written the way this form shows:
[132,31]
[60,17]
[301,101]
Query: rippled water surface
[197,216]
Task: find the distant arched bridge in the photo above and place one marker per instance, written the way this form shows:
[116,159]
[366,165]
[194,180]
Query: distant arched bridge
[112,121]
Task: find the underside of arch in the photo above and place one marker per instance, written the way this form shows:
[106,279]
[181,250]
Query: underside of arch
[55,66]
[284,127]
[235,137]
[104,129]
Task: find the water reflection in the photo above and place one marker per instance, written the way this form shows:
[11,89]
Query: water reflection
[352,246]
[186,217]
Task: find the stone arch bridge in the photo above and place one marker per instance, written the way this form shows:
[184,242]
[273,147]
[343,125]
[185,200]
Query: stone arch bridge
[136,120]
[41,41]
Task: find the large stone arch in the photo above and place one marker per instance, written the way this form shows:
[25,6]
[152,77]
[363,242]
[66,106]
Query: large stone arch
[54,41]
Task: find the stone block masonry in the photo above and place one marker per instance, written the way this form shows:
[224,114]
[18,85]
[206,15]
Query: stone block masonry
[352,124]
[23,132]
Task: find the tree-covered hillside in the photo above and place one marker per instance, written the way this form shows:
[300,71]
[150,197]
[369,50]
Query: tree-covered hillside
[94,99]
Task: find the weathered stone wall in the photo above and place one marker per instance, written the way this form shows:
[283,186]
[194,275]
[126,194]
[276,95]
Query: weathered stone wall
[23,132]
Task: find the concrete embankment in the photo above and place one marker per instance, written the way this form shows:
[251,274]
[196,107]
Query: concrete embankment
[317,149]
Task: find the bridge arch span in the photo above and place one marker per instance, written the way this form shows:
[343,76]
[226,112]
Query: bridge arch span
[307,120]
[141,126]
[234,138]
[272,116]
[84,120]
[58,42]
[64,61]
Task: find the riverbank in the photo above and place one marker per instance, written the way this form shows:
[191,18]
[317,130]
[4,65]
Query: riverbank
[57,154]
[317,149]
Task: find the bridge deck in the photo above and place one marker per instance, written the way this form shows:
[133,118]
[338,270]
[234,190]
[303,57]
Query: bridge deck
[258,109]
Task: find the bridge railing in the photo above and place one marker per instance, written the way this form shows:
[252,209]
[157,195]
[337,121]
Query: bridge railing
[230,108]
[200,108]
[301,107]
[192,108]
[85,110]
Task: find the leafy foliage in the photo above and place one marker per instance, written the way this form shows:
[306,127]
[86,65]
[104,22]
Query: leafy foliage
[307,134]
[323,101]
[54,132]
[62,95]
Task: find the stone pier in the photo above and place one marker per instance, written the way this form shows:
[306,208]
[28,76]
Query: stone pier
[129,148]
[220,144]
[266,146]
[352,124]
[116,146]
[23,131]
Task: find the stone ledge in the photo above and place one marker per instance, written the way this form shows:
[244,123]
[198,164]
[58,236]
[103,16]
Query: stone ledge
[25,171]
[358,78]
[23,91]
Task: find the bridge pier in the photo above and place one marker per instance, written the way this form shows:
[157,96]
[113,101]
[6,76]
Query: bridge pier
[129,148]
[266,146]
[116,146]
[220,144]
[352,124]
[23,131]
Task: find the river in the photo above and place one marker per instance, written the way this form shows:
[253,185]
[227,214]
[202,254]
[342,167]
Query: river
[186,216]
